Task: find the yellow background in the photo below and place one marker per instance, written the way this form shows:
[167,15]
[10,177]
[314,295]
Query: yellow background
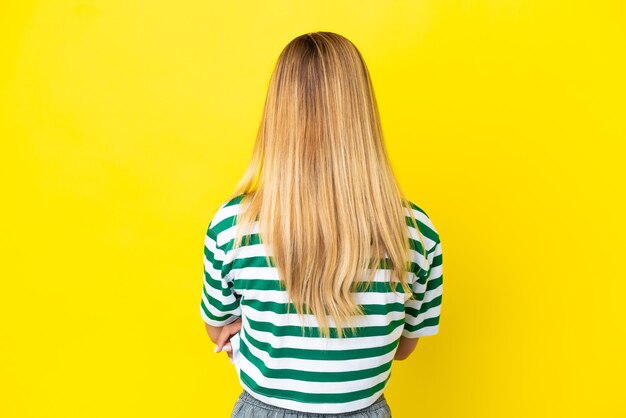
[125,124]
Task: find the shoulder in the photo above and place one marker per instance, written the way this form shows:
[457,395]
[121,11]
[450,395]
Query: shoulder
[424,222]
[224,217]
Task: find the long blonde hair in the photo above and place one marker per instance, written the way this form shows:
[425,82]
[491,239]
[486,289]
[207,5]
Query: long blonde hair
[320,184]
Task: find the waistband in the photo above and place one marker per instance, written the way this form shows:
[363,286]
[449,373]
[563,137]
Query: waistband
[249,399]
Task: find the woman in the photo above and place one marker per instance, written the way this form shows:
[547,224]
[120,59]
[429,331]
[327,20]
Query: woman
[318,272]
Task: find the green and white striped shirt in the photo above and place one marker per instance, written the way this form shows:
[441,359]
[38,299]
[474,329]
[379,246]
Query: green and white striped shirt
[279,365]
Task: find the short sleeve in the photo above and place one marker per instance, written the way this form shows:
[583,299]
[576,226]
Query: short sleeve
[422,313]
[220,305]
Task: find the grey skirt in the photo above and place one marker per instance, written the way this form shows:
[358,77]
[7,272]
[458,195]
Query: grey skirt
[248,406]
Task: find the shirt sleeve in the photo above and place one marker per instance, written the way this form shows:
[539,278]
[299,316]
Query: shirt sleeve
[423,311]
[220,304]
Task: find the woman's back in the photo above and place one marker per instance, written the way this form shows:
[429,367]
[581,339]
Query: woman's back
[280,363]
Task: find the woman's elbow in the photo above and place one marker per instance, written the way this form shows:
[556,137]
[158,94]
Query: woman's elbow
[405,347]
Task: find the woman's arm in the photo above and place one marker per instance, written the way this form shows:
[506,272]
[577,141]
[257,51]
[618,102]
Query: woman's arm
[405,348]
[221,336]
[213,332]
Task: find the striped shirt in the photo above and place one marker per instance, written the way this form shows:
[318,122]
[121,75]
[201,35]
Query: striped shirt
[277,363]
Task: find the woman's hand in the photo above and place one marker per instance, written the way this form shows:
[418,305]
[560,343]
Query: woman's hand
[223,339]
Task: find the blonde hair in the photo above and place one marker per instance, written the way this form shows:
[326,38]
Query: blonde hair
[320,184]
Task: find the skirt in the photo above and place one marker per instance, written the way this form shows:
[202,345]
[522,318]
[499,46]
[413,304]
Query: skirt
[248,406]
